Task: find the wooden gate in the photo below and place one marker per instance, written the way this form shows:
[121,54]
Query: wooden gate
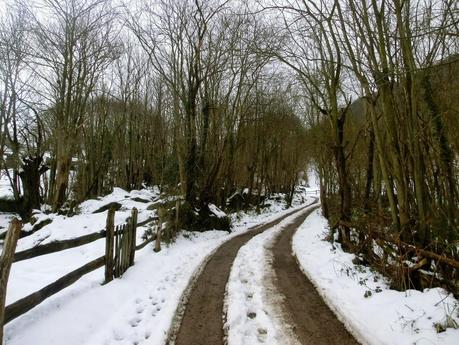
[120,245]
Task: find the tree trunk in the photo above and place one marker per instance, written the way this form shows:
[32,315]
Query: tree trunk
[62,180]
[370,171]
[344,185]
[32,169]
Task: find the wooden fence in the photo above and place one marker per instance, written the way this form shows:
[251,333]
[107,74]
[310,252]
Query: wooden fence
[120,247]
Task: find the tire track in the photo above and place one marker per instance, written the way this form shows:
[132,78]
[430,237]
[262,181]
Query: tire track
[201,322]
[308,317]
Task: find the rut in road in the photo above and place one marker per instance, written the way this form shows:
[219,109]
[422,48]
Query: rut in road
[302,308]
[202,322]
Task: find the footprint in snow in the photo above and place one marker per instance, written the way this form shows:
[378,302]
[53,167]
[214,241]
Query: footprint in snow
[135,322]
[251,315]
[156,308]
[262,335]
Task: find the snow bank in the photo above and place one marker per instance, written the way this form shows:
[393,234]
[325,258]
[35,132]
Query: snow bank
[216,211]
[87,222]
[384,316]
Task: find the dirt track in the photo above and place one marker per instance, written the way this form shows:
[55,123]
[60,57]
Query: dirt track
[313,323]
[202,322]
[309,318]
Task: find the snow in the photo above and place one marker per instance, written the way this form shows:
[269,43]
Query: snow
[248,318]
[121,196]
[216,211]
[383,317]
[86,222]
[135,309]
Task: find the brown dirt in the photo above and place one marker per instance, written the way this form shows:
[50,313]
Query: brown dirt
[202,321]
[310,319]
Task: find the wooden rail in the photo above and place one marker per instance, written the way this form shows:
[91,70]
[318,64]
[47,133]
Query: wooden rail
[143,244]
[36,227]
[23,305]
[57,246]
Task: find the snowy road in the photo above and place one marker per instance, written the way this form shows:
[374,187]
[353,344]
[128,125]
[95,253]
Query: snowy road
[302,308]
[270,300]
[135,309]
[202,321]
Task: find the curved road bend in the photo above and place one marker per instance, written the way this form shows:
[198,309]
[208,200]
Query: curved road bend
[202,323]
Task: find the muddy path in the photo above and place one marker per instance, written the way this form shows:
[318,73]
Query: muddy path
[303,310]
[202,322]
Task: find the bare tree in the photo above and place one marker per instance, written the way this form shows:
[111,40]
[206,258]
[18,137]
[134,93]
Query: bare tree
[13,46]
[74,44]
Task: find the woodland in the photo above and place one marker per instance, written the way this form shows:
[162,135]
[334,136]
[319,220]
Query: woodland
[227,102]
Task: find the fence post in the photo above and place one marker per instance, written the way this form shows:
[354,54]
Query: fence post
[158,235]
[134,214]
[117,250]
[125,252]
[9,246]
[109,241]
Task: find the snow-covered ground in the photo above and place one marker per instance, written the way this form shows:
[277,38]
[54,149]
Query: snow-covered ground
[362,299]
[135,309]
[86,222]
